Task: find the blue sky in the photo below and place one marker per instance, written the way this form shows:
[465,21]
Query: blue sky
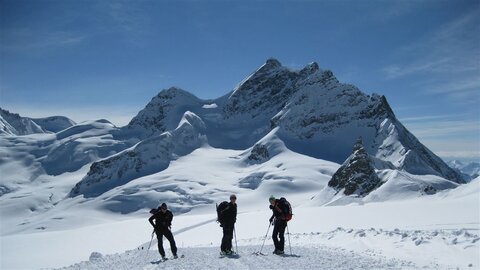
[107,59]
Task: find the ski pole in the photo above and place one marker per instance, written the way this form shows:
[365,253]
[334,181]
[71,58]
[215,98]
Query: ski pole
[235,233]
[269,224]
[289,243]
[151,240]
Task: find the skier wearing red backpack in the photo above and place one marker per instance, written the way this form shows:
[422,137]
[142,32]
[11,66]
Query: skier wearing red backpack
[282,213]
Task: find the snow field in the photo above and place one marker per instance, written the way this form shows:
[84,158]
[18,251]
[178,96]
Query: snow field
[320,257]
[404,234]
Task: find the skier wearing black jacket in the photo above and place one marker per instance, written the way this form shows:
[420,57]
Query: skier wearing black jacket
[228,219]
[163,222]
[279,222]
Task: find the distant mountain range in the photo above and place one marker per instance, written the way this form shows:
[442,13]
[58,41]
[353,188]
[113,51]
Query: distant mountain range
[14,124]
[274,110]
[469,170]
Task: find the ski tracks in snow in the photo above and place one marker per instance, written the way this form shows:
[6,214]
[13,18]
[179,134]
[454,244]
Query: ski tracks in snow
[320,257]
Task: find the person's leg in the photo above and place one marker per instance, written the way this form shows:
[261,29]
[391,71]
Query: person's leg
[275,235]
[281,233]
[229,236]
[160,242]
[168,234]
[223,246]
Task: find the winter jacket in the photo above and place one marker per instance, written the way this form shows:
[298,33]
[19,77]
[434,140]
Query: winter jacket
[162,220]
[230,214]
[277,212]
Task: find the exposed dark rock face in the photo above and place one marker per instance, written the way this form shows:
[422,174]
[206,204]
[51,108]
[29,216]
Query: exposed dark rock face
[259,153]
[357,175]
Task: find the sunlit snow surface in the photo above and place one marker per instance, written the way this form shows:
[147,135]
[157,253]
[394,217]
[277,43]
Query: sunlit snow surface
[80,197]
[409,230]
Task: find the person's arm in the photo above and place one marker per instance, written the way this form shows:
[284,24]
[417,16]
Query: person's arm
[279,210]
[151,220]
[169,219]
[235,215]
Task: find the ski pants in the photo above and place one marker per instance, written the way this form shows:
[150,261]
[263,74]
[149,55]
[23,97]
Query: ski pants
[227,237]
[278,234]
[164,231]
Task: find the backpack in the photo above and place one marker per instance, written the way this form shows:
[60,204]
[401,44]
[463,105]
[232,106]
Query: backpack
[220,208]
[286,208]
[154,211]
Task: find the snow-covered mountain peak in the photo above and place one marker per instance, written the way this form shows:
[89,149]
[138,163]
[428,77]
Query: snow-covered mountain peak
[194,120]
[272,62]
[309,69]
[163,112]
[266,91]
[174,93]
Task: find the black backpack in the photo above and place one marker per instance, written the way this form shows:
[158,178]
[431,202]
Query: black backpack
[220,208]
[154,210]
[286,208]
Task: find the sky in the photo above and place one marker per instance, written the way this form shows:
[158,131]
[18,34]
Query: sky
[106,59]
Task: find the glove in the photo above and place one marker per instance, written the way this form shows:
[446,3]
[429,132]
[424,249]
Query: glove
[271,220]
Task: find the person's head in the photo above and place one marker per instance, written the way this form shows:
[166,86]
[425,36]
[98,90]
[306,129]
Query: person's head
[233,198]
[271,200]
[163,207]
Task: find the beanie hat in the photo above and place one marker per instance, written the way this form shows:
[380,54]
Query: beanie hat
[164,206]
[272,198]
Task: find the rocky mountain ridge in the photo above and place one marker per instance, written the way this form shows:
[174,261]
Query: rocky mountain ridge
[357,174]
[315,115]
[308,111]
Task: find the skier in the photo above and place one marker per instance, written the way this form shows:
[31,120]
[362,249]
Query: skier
[227,216]
[279,221]
[162,226]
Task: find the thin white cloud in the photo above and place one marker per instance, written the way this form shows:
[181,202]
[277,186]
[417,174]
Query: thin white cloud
[466,84]
[447,59]
[451,49]
[24,39]
[448,136]
[130,19]
[444,128]
[455,148]
[435,65]
[430,118]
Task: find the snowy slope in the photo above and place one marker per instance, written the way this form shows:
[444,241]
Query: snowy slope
[54,123]
[148,156]
[419,233]
[25,158]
